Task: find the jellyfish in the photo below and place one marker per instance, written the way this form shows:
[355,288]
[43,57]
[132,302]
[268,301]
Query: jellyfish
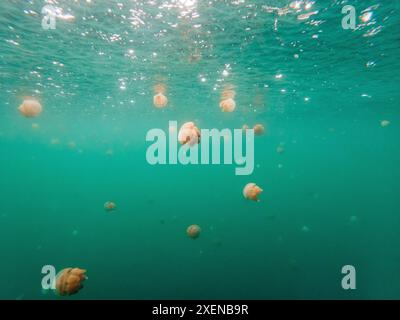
[251,191]
[280,149]
[110,206]
[385,123]
[259,129]
[227,105]
[72,144]
[193,231]
[245,127]
[159,99]
[189,134]
[30,108]
[69,281]
[35,126]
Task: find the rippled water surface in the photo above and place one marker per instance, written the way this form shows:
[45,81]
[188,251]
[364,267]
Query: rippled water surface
[328,162]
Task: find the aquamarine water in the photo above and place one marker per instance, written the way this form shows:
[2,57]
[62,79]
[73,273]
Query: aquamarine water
[330,199]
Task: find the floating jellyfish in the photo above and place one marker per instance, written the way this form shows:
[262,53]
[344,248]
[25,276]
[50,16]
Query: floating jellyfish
[54,141]
[193,231]
[69,281]
[305,229]
[245,127]
[35,126]
[385,123]
[259,129]
[72,144]
[110,206]
[110,152]
[251,191]
[227,105]
[189,134]
[30,108]
[280,149]
[159,99]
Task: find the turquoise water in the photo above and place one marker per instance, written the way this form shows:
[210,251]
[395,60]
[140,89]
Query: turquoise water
[329,200]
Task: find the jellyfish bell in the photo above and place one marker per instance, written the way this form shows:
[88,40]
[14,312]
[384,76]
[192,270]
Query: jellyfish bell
[189,134]
[160,100]
[30,107]
[259,129]
[385,123]
[251,191]
[69,281]
[227,105]
[280,149]
[110,206]
[245,127]
[193,231]
[160,88]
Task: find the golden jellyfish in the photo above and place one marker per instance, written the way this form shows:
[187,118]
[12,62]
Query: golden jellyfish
[259,129]
[69,281]
[110,206]
[30,108]
[227,105]
[159,99]
[193,231]
[251,191]
[189,134]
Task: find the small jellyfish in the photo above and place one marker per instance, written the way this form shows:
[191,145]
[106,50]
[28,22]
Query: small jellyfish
[35,126]
[69,281]
[160,100]
[110,206]
[259,129]
[30,108]
[193,231]
[280,149]
[245,127]
[251,191]
[227,105]
[189,134]
[110,152]
[385,123]
[54,141]
[305,229]
[72,144]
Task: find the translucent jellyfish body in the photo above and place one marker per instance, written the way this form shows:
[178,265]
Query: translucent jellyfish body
[30,108]
[110,206]
[159,99]
[227,105]
[259,129]
[189,134]
[193,231]
[69,281]
[251,191]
